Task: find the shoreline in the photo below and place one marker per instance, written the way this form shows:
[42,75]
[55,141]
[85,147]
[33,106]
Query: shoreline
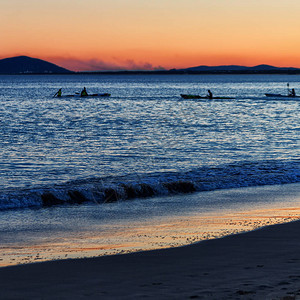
[261,264]
[95,231]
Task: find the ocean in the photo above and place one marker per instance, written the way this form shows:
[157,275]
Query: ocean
[140,148]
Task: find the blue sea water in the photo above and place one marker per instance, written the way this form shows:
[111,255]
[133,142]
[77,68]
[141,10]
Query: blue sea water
[144,140]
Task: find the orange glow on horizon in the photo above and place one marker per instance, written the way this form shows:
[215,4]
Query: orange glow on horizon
[171,62]
[161,62]
[96,35]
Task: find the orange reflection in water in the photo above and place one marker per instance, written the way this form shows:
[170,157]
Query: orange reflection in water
[157,234]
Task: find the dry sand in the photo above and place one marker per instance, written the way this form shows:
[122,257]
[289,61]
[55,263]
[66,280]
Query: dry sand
[262,264]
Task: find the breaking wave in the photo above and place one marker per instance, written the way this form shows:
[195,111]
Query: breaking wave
[137,186]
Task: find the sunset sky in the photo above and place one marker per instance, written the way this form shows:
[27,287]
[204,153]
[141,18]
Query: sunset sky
[151,34]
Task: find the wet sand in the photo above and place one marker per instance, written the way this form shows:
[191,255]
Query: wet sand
[241,255]
[262,264]
[160,234]
[92,231]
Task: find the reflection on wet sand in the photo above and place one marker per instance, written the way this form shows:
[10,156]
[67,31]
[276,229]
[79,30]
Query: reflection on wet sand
[157,234]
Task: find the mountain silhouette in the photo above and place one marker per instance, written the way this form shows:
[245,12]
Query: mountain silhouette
[29,65]
[236,68]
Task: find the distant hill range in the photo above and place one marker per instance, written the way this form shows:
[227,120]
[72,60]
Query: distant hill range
[231,69]
[240,69]
[28,65]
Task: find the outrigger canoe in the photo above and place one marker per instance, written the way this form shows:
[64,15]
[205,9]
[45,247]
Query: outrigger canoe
[202,97]
[88,96]
[281,96]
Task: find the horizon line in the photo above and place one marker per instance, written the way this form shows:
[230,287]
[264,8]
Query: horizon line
[140,69]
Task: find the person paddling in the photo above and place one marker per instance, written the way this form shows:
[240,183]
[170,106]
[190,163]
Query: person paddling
[83,93]
[292,93]
[209,94]
[58,94]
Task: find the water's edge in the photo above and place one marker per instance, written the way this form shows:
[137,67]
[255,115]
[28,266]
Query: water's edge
[111,189]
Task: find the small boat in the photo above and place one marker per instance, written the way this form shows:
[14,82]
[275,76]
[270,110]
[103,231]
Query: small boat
[88,96]
[281,96]
[184,96]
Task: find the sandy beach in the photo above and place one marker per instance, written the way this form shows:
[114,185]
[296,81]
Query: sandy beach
[69,232]
[262,264]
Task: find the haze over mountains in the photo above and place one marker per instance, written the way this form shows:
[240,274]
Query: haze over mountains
[28,65]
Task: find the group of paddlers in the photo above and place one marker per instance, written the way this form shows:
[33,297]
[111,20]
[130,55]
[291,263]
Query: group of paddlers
[291,93]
